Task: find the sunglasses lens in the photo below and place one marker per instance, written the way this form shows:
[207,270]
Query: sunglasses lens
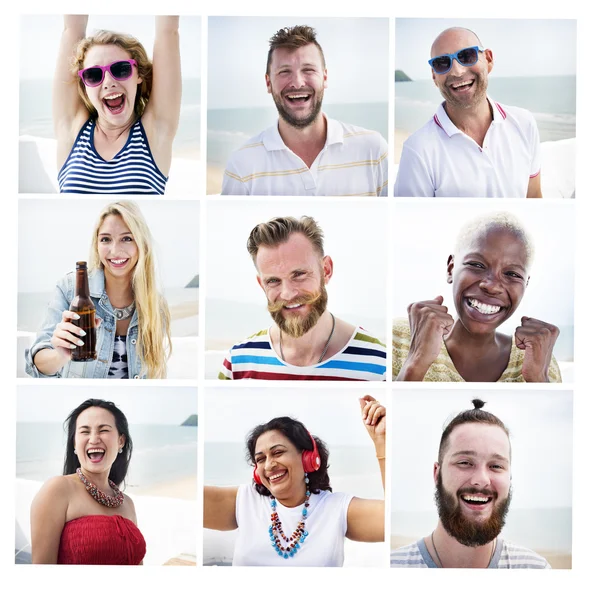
[121,69]
[92,76]
[468,56]
[441,64]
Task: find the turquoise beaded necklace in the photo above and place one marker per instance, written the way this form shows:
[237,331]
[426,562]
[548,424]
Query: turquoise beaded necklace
[275,529]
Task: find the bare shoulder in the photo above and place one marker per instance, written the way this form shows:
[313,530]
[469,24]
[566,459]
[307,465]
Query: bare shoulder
[129,508]
[55,492]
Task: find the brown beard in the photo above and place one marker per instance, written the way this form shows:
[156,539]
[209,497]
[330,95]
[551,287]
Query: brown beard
[298,326]
[290,119]
[464,530]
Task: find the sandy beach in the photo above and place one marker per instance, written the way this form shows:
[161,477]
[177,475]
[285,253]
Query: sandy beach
[184,310]
[400,137]
[214,179]
[557,560]
[184,489]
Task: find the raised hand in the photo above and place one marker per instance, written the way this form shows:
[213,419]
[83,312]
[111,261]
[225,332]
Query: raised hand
[373,415]
[430,321]
[537,339]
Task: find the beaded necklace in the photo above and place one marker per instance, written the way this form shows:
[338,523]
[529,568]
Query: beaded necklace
[275,529]
[98,495]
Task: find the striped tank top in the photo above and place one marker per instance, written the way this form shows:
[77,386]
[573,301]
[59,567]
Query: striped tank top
[131,171]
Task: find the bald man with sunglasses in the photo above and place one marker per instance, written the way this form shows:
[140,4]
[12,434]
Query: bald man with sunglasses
[473,146]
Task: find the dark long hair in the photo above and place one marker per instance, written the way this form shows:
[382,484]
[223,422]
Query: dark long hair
[119,468]
[296,432]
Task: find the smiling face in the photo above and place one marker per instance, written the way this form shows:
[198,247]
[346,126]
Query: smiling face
[278,464]
[117,249]
[113,100]
[489,276]
[97,440]
[462,87]
[293,277]
[473,483]
[297,79]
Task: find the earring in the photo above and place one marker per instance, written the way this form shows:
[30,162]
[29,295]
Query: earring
[120,450]
[75,451]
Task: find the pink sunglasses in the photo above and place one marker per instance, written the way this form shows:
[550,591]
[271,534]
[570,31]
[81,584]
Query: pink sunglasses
[119,70]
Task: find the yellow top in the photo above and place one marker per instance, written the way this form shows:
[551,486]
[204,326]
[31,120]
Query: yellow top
[443,369]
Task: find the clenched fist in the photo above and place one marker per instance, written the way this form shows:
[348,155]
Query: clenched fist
[537,339]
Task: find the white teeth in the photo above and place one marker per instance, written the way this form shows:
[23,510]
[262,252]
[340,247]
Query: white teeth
[273,477]
[95,451]
[486,309]
[119,261]
[460,85]
[475,499]
[292,305]
[112,96]
[298,96]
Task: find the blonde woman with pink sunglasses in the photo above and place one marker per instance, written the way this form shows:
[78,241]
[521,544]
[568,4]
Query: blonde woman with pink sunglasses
[115,112]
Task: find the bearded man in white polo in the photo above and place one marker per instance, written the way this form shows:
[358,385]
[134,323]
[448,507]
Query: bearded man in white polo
[473,480]
[473,146]
[305,153]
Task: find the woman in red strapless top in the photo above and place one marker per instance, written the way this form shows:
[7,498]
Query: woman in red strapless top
[82,517]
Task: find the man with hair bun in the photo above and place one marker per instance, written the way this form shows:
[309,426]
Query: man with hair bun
[489,272]
[473,146]
[473,477]
[308,341]
[305,153]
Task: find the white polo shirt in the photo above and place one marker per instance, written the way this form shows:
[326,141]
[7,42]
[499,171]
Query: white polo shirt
[353,162]
[441,160]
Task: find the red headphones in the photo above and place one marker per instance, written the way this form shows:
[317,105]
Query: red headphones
[310,459]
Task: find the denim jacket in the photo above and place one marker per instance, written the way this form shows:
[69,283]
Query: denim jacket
[105,334]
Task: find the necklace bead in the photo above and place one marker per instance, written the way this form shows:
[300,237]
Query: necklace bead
[109,501]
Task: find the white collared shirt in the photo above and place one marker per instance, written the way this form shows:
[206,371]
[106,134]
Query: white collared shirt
[441,160]
[353,162]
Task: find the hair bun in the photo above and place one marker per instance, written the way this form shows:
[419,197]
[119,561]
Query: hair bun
[477,403]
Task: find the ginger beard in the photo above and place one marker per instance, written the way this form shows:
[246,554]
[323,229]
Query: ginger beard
[467,531]
[294,325]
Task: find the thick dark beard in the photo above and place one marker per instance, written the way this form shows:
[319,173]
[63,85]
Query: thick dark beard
[299,123]
[465,531]
[297,326]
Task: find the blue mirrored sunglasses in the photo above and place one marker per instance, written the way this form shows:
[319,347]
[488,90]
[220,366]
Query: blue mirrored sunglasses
[466,57]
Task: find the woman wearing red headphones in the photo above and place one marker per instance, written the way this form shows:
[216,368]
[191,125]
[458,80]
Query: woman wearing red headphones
[289,515]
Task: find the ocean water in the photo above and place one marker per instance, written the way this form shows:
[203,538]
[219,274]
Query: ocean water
[161,453]
[352,469]
[32,306]
[548,529]
[35,114]
[552,100]
[228,129]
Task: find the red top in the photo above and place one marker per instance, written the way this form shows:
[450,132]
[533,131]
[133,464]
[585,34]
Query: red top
[101,540]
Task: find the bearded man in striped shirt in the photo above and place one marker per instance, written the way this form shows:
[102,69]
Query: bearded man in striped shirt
[307,341]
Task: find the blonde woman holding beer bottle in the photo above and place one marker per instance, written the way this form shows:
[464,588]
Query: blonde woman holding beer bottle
[132,320]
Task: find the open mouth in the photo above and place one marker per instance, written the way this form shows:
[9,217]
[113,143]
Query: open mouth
[483,311]
[95,454]
[476,501]
[298,99]
[462,86]
[115,103]
[118,262]
[277,477]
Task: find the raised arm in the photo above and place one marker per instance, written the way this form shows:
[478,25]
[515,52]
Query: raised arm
[163,109]
[48,517]
[68,108]
[219,508]
[366,518]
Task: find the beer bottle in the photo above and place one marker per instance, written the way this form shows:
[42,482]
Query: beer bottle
[83,305]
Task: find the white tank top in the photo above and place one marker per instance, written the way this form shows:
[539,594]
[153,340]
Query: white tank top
[326,523]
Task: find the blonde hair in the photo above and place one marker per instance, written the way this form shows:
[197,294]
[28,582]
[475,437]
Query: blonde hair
[154,340]
[499,220]
[135,50]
